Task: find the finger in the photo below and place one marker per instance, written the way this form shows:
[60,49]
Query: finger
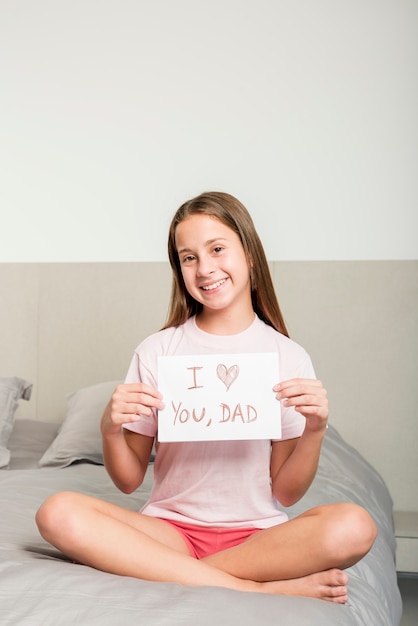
[289,386]
[145,407]
[136,388]
[299,381]
[302,393]
[313,411]
[130,406]
[142,405]
[305,399]
[143,399]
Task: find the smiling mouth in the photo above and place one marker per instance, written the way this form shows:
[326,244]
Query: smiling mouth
[214,285]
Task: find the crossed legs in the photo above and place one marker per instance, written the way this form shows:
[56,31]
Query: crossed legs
[304,556]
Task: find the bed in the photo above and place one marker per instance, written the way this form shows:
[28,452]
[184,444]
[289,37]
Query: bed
[40,586]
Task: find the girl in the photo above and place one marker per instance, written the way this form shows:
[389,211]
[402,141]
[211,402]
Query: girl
[213,517]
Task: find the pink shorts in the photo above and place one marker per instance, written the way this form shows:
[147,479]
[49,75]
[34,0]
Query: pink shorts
[206,540]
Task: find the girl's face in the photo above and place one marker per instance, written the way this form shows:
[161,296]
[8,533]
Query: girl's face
[213,264]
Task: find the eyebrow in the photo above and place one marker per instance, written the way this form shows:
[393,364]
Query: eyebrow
[207,243]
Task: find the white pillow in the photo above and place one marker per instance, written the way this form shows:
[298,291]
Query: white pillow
[79,437]
[12,390]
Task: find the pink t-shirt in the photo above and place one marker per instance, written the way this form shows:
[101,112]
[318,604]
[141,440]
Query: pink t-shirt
[216,483]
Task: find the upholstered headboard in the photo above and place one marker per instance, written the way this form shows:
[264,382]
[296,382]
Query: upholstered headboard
[66,326]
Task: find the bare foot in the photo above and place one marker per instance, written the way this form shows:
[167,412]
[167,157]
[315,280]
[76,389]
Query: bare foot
[330,585]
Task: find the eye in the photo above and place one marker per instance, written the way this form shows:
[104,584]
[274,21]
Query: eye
[188,259]
[218,249]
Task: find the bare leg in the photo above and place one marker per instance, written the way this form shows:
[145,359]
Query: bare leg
[282,559]
[119,541]
[304,556]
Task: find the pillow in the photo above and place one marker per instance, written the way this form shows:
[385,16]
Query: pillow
[79,437]
[12,390]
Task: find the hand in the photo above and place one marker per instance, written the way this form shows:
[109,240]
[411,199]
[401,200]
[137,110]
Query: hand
[308,397]
[127,403]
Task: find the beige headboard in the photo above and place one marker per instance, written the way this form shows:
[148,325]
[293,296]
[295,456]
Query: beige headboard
[66,326]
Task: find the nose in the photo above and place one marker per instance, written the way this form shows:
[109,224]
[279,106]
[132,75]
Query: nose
[206,266]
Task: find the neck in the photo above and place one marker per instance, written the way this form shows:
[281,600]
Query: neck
[224,323]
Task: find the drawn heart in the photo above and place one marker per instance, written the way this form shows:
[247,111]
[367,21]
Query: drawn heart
[227,375]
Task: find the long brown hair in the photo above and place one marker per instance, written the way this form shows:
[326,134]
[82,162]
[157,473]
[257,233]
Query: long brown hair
[228,210]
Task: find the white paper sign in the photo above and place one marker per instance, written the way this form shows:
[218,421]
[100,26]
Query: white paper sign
[214,397]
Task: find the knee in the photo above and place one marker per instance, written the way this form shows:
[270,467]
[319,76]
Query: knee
[357,531]
[54,515]
[362,526]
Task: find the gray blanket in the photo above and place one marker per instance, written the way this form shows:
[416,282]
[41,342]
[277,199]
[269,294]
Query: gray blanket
[39,586]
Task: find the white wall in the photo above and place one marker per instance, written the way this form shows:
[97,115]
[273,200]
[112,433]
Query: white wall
[114,112]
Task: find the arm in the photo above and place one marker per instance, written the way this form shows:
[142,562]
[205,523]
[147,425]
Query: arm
[294,462]
[126,454]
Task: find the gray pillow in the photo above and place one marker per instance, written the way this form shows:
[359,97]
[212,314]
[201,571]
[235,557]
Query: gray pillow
[79,437]
[12,389]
